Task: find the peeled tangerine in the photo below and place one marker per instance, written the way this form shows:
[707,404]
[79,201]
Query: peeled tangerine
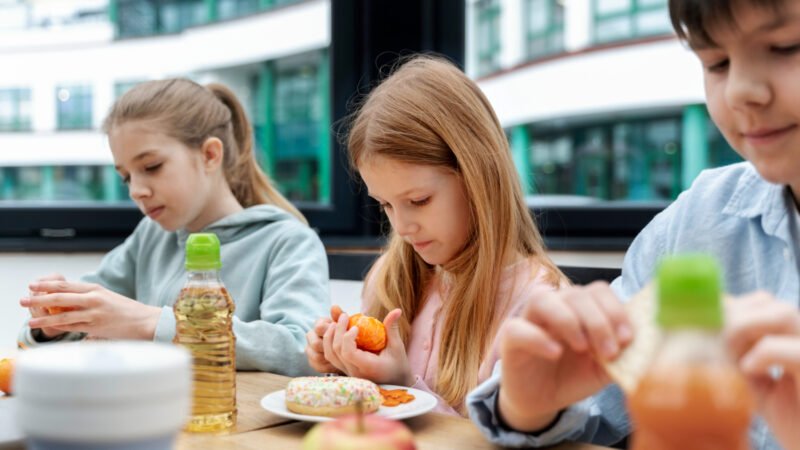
[373,433]
[371,333]
[59,309]
[6,373]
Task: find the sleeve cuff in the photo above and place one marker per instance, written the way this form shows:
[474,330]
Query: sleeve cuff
[165,328]
[482,405]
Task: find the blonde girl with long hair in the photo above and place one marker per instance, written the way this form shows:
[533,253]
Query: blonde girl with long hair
[185,152]
[464,252]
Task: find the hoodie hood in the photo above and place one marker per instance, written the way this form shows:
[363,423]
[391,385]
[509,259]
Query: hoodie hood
[241,224]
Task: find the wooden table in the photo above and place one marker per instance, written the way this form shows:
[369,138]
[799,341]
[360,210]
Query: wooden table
[258,429]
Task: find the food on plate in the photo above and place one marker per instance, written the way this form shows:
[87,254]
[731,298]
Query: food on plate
[394,397]
[6,374]
[59,309]
[371,333]
[629,367]
[331,396]
[372,432]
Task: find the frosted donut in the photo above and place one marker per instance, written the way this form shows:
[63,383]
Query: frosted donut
[331,396]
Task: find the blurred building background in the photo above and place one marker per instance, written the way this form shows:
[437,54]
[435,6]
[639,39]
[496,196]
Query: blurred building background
[600,101]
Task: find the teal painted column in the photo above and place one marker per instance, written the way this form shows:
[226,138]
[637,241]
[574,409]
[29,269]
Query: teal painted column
[113,15]
[324,149]
[48,183]
[9,185]
[694,148]
[520,152]
[111,192]
[264,113]
[211,10]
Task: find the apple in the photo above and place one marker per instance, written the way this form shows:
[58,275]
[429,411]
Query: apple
[375,433]
[6,373]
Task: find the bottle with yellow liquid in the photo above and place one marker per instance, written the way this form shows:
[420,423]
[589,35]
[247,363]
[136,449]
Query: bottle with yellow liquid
[204,316]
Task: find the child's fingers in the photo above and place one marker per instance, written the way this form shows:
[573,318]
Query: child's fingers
[61,286]
[321,326]
[552,312]
[327,346]
[746,325]
[61,321]
[771,352]
[314,342]
[393,327]
[336,311]
[520,336]
[614,311]
[596,325]
[51,300]
[340,328]
[352,357]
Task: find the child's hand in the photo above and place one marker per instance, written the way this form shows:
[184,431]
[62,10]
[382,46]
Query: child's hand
[763,334]
[314,350]
[549,353]
[99,312]
[42,312]
[390,366]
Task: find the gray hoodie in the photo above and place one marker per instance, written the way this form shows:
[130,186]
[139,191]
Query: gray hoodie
[274,267]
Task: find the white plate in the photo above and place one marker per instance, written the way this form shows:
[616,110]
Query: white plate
[275,402]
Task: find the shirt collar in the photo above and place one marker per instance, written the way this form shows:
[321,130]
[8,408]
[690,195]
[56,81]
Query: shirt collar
[754,197]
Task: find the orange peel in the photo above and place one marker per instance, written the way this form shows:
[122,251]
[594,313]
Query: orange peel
[371,333]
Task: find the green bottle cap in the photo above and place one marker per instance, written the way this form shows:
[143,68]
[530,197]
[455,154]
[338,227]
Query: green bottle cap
[689,292]
[202,252]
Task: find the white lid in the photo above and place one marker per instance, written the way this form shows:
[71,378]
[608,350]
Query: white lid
[103,390]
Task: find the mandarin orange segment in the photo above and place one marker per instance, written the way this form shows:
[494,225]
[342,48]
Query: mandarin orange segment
[6,373]
[394,397]
[371,332]
[59,309]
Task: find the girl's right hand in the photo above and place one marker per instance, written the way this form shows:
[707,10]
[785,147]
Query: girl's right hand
[549,354]
[314,349]
[41,312]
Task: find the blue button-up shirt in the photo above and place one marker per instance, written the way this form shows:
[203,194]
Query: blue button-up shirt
[729,212]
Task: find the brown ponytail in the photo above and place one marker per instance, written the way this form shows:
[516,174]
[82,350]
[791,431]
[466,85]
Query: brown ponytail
[192,113]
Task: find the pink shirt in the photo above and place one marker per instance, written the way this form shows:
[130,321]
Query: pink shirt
[423,345]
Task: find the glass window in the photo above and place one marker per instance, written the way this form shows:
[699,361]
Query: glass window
[176,15]
[74,105]
[227,9]
[545,27]
[15,110]
[122,87]
[148,17]
[625,19]
[78,183]
[297,115]
[627,160]
[488,35]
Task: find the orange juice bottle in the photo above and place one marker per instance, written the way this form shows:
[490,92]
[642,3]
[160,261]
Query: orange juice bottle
[204,325]
[692,397]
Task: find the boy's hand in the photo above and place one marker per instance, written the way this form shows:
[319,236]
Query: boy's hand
[390,366]
[549,354]
[98,311]
[314,349]
[763,335]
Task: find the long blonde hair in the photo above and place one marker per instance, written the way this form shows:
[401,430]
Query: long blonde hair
[192,113]
[428,112]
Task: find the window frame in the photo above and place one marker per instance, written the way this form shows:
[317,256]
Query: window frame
[552,29]
[631,13]
[367,38]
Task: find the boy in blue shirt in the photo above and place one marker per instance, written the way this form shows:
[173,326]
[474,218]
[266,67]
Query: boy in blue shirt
[548,387]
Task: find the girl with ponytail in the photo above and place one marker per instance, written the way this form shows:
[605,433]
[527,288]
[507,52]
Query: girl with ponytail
[186,153]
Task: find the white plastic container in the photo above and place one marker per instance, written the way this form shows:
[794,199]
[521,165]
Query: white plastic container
[103,395]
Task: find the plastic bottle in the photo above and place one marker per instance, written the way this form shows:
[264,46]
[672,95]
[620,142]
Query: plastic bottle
[692,396]
[203,316]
